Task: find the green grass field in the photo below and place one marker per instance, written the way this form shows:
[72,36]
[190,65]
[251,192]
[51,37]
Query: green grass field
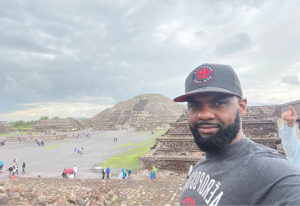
[6,135]
[129,159]
[124,145]
[18,133]
[52,146]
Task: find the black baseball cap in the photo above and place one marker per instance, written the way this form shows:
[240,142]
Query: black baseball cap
[211,78]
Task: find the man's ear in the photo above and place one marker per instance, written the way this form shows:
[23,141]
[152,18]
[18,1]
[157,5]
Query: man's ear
[242,106]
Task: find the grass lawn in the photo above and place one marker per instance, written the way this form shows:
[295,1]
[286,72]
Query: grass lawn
[6,135]
[129,159]
[52,146]
[124,145]
[16,133]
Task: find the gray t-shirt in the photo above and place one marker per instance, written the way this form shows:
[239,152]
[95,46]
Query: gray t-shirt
[245,173]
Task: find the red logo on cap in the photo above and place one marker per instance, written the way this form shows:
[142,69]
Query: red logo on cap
[203,74]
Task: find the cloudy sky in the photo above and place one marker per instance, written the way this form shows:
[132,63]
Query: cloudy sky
[74,58]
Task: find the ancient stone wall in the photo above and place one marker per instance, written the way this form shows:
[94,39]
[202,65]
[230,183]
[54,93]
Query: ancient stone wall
[178,164]
[175,145]
[33,138]
[258,113]
[176,150]
[6,128]
[62,125]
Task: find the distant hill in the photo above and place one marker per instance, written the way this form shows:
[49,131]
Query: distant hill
[143,112]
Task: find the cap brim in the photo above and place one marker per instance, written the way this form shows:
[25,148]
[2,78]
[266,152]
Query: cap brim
[182,98]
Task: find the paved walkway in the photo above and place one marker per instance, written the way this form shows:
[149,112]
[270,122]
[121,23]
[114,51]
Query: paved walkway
[51,159]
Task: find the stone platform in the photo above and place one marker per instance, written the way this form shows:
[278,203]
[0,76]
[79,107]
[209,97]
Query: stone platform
[176,149]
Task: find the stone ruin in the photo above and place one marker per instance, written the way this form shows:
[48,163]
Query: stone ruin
[143,112]
[58,125]
[176,149]
[261,125]
[6,128]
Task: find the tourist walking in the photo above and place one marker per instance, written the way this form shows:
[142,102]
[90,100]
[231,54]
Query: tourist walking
[64,174]
[10,170]
[151,175]
[17,169]
[123,174]
[23,168]
[128,172]
[107,171]
[154,172]
[75,171]
[14,170]
[1,166]
[103,173]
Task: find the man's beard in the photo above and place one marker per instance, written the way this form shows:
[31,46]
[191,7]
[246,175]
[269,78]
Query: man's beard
[215,143]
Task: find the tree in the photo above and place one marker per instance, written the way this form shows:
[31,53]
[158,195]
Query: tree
[44,117]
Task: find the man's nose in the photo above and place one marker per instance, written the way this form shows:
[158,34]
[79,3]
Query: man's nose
[206,113]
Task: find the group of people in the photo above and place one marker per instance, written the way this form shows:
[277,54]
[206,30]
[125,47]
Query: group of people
[105,172]
[3,142]
[87,134]
[78,151]
[39,142]
[13,170]
[70,172]
[235,170]
[125,173]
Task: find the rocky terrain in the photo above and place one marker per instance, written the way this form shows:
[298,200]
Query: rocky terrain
[138,190]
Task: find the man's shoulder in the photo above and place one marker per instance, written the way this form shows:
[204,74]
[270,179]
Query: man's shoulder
[261,154]
[262,159]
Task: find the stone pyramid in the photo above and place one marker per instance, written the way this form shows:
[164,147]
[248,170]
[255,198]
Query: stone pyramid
[143,112]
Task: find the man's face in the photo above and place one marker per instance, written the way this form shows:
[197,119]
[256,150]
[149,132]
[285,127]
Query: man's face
[214,120]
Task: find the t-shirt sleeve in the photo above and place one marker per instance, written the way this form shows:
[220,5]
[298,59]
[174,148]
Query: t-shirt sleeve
[285,191]
[275,181]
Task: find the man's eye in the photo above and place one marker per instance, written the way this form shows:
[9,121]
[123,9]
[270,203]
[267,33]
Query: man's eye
[193,106]
[219,103]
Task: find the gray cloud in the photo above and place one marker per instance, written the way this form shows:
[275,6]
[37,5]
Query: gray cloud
[289,79]
[56,50]
[234,44]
